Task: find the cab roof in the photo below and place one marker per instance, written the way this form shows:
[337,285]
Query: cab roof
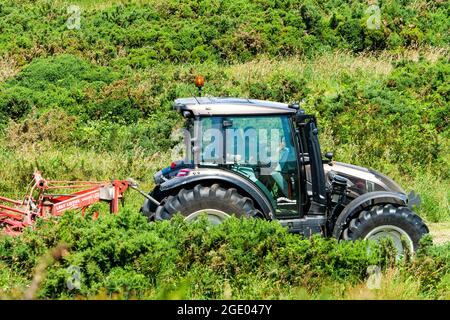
[215,106]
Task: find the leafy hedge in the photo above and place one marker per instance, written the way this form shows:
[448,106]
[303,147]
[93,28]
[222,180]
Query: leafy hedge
[126,255]
[405,115]
[119,73]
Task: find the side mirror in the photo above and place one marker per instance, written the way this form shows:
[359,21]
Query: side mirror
[329,156]
[300,115]
[187,114]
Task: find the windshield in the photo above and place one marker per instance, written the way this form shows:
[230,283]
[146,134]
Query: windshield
[254,140]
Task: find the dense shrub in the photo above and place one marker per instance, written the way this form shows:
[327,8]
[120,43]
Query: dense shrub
[398,120]
[107,115]
[57,82]
[124,254]
[194,31]
[87,73]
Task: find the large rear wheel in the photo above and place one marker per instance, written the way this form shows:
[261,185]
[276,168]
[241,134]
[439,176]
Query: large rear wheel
[216,202]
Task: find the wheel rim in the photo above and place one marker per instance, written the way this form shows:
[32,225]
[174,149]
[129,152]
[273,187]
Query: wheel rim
[214,216]
[396,234]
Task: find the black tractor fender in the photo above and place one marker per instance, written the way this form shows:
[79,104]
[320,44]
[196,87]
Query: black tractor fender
[363,202]
[224,178]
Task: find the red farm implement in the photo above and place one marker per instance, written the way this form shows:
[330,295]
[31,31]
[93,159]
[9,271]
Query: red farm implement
[46,198]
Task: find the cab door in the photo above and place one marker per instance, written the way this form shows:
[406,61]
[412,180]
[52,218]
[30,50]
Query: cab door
[264,149]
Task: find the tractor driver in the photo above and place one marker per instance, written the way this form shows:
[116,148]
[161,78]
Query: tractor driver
[283,153]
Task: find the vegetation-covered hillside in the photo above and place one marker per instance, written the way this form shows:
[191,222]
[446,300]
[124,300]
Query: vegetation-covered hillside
[93,100]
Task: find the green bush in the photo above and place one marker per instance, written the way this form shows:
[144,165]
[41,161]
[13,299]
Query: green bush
[179,31]
[57,82]
[124,254]
[398,120]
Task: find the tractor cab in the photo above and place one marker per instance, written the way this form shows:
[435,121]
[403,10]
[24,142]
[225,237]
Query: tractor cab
[261,159]
[260,140]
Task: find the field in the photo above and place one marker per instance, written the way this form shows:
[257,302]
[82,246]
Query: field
[90,98]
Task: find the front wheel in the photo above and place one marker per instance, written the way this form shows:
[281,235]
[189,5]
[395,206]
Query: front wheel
[400,224]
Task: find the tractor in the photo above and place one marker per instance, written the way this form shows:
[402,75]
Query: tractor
[260,159]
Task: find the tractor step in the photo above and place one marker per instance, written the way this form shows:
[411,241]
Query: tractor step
[306,226]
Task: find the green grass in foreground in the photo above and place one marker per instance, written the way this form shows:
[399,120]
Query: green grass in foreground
[124,257]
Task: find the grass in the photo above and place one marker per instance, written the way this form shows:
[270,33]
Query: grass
[440,232]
